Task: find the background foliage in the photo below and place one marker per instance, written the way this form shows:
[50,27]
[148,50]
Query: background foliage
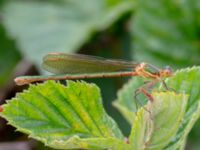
[160,32]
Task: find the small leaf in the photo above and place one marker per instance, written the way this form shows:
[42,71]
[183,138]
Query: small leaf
[183,81]
[187,81]
[141,129]
[126,102]
[71,116]
[153,129]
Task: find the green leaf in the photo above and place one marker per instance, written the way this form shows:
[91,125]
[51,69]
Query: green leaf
[126,102]
[183,81]
[64,117]
[167,32]
[157,124]
[64,26]
[142,129]
[92,143]
[9,57]
[187,81]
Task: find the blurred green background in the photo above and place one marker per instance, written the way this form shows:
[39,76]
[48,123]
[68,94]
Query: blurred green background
[161,32]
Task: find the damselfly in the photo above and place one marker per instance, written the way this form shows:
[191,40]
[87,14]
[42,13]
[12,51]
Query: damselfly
[77,66]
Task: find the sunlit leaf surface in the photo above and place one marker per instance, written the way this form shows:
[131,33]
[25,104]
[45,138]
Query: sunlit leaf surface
[64,117]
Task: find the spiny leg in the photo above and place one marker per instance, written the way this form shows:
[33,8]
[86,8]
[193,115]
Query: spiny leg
[148,85]
[144,89]
[137,92]
[166,87]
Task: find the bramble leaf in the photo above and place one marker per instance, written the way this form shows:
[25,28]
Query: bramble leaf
[183,81]
[126,102]
[64,117]
[73,116]
[157,124]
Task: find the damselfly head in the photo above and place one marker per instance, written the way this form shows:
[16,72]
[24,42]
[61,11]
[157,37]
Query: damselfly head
[166,72]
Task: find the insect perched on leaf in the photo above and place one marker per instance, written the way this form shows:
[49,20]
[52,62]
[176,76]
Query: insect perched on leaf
[77,66]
